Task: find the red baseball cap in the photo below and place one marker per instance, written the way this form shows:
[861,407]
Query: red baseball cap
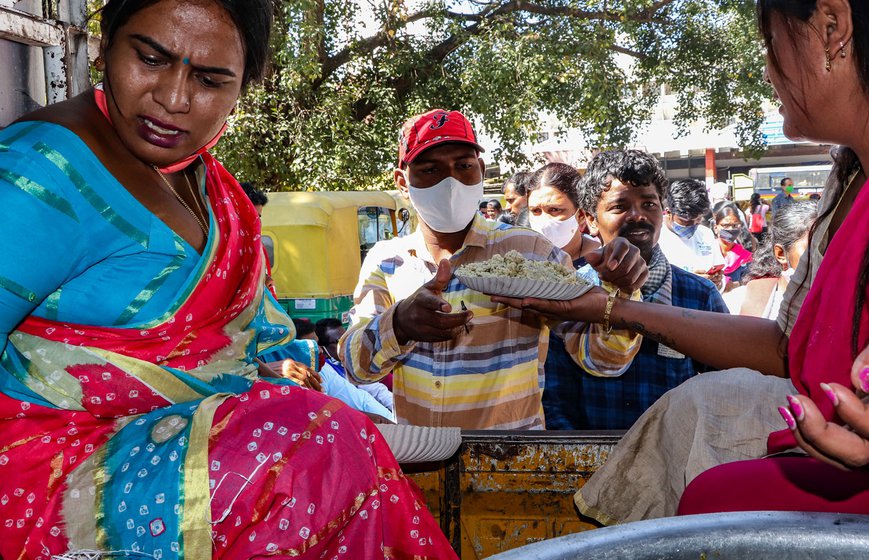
[429,129]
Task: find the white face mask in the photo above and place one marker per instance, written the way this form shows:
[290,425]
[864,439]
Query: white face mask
[559,232]
[788,273]
[447,207]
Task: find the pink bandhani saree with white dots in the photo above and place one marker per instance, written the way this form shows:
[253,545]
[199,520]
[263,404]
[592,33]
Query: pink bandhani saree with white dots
[154,436]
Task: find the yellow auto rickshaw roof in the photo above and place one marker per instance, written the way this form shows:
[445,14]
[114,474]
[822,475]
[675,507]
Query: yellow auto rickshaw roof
[315,208]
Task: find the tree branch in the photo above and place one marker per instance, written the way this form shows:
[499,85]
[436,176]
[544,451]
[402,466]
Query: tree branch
[490,10]
[627,51]
[645,16]
[315,19]
[364,107]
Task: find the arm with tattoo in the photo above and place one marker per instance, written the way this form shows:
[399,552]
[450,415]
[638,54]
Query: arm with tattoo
[721,341]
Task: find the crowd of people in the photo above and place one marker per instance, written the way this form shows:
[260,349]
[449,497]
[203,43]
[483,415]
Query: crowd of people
[156,399]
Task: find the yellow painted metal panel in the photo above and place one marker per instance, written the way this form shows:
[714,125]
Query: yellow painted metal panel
[504,490]
[519,491]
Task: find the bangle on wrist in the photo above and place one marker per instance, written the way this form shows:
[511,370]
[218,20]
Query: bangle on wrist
[610,302]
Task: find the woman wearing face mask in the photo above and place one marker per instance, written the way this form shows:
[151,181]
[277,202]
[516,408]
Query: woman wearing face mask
[774,263]
[553,210]
[728,227]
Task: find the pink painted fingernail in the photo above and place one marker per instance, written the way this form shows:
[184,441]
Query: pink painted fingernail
[830,394]
[864,380]
[796,407]
[788,418]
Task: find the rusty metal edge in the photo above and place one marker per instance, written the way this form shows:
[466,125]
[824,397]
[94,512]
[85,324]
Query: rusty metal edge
[451,502]
[541,436]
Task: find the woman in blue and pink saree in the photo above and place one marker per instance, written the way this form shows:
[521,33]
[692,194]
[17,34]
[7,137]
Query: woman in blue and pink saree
[133,419]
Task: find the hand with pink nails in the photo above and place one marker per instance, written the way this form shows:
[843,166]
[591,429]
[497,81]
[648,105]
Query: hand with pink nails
[845,446]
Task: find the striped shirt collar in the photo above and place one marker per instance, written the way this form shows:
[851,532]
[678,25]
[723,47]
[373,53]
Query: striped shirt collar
[477,236]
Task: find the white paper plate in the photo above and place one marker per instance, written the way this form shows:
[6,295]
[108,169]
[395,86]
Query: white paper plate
[525,287]
[421,444]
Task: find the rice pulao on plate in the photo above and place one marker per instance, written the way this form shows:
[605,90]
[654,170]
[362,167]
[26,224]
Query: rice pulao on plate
[512,275]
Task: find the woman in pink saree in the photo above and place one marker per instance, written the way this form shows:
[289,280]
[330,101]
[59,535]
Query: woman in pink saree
[818,62]
[133,420]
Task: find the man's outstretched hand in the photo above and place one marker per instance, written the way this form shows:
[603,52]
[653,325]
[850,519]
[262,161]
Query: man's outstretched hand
[425,316]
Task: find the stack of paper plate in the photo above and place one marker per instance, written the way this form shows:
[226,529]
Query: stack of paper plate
[421,444]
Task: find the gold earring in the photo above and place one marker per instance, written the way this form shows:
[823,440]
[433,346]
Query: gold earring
[99,64]
[827,64]
[842,48]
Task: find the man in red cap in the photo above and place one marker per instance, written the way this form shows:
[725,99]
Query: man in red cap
[458,358]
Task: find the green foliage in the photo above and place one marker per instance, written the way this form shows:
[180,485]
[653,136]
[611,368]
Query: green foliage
[327,115]
[93,7]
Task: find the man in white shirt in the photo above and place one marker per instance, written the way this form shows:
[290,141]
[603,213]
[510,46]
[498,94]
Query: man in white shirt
[686,242]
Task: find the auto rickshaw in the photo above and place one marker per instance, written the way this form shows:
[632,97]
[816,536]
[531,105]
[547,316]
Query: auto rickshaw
[316,242]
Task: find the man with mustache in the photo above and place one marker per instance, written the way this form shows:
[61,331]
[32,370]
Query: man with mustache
[621,195]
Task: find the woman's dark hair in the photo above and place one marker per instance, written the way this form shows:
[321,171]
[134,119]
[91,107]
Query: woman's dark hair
[796,14]
[628,166]
[518,181]
[687,197]
[253,18]
[791,223]
[722,210]
[494,204]
[754,202]
[560,176]
[257,197]
[846,166]
[763,263]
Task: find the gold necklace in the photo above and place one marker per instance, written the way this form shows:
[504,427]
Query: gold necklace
[200,204]
[181,200]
